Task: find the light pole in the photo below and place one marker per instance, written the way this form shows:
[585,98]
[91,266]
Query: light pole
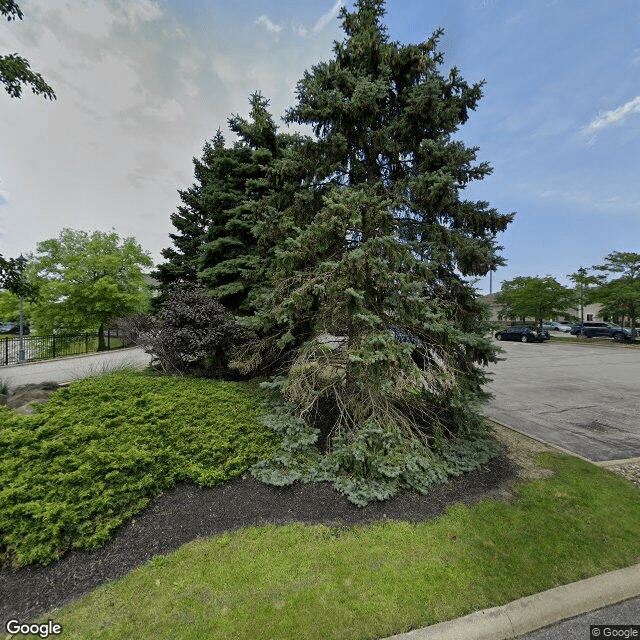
[583,272]
[22,261]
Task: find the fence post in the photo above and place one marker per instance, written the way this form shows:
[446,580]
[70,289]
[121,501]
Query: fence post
[54,345]
[86,342]
[6,351]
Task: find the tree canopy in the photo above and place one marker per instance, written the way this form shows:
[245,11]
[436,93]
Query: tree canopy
[534,297]
[353,249]
[621,295]
[83,280]
[14,69]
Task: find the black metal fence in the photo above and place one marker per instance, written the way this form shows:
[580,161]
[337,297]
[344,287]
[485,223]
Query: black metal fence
[36,348]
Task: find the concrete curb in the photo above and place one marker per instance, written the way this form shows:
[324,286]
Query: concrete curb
[612,463]
[551,445]
[539,610]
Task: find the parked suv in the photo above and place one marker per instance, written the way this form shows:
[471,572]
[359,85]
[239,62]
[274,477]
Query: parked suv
[601,330]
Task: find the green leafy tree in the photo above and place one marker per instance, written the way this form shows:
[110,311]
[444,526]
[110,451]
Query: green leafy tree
[534,297]
[14,69]
[584,284]
[84,280]
[9,306]
[378,245]
[621,295]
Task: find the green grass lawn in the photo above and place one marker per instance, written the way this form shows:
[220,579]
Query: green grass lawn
[304,582]
[140,434]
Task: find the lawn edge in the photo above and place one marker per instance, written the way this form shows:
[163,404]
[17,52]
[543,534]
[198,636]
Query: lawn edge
[530,613]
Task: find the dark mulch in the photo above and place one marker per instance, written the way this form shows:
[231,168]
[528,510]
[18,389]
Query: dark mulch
[187,512]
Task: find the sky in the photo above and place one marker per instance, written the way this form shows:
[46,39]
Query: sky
[141,85]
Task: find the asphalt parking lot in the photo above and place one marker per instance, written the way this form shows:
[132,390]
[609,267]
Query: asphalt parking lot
[584,398]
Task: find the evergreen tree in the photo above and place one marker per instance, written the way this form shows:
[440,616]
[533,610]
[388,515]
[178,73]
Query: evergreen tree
[191,221]
[228,254]
[237,191]
[377,246]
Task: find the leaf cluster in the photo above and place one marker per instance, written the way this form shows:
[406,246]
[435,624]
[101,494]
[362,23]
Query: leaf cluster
[14,69]
[372,463]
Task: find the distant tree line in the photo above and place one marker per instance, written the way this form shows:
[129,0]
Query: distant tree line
[615,284]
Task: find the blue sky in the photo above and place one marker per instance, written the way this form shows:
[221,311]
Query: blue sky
[142,84]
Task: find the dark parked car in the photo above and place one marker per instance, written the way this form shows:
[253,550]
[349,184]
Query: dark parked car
[601,330]
[523,334]
[13,327]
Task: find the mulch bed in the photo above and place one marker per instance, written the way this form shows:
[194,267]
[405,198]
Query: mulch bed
[187,512]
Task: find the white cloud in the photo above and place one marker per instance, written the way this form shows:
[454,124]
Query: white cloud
[138,94]
[167,111]
[135,13]
[328,17]
[320,24]
[613,117]
[268,25]
[594,199]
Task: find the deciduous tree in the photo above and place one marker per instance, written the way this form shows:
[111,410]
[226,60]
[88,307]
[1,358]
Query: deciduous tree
[534,297]
[14,69]
[84,280]
[621,293]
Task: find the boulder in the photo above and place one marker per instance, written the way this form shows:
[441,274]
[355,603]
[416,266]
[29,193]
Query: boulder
[21,398]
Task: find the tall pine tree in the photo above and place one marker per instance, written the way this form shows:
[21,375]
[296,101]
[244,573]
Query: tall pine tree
[383,253]
[192,219]
[239,191]
[230,259]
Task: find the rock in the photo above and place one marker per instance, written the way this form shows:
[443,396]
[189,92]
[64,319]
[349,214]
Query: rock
[21,398]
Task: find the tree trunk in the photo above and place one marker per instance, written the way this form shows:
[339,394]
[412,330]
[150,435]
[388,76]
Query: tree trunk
[101,344]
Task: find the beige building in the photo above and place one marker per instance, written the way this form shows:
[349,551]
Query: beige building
[592,313]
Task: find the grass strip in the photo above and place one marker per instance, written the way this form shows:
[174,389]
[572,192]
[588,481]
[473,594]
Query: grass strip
[97,451]
[315,582]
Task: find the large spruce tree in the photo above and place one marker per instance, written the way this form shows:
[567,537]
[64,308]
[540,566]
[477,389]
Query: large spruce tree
[193,218]
[239,191]
[232,264]
[378,246]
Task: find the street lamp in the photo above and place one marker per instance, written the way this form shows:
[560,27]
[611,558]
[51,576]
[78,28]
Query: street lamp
[22,261]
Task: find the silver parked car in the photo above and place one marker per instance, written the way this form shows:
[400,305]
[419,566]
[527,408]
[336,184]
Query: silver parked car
[552,325]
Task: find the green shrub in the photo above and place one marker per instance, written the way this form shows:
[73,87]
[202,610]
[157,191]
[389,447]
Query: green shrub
[370,464]
[98,450]
[193,334]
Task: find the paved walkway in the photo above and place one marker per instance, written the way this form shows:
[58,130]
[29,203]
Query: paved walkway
[72,367]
